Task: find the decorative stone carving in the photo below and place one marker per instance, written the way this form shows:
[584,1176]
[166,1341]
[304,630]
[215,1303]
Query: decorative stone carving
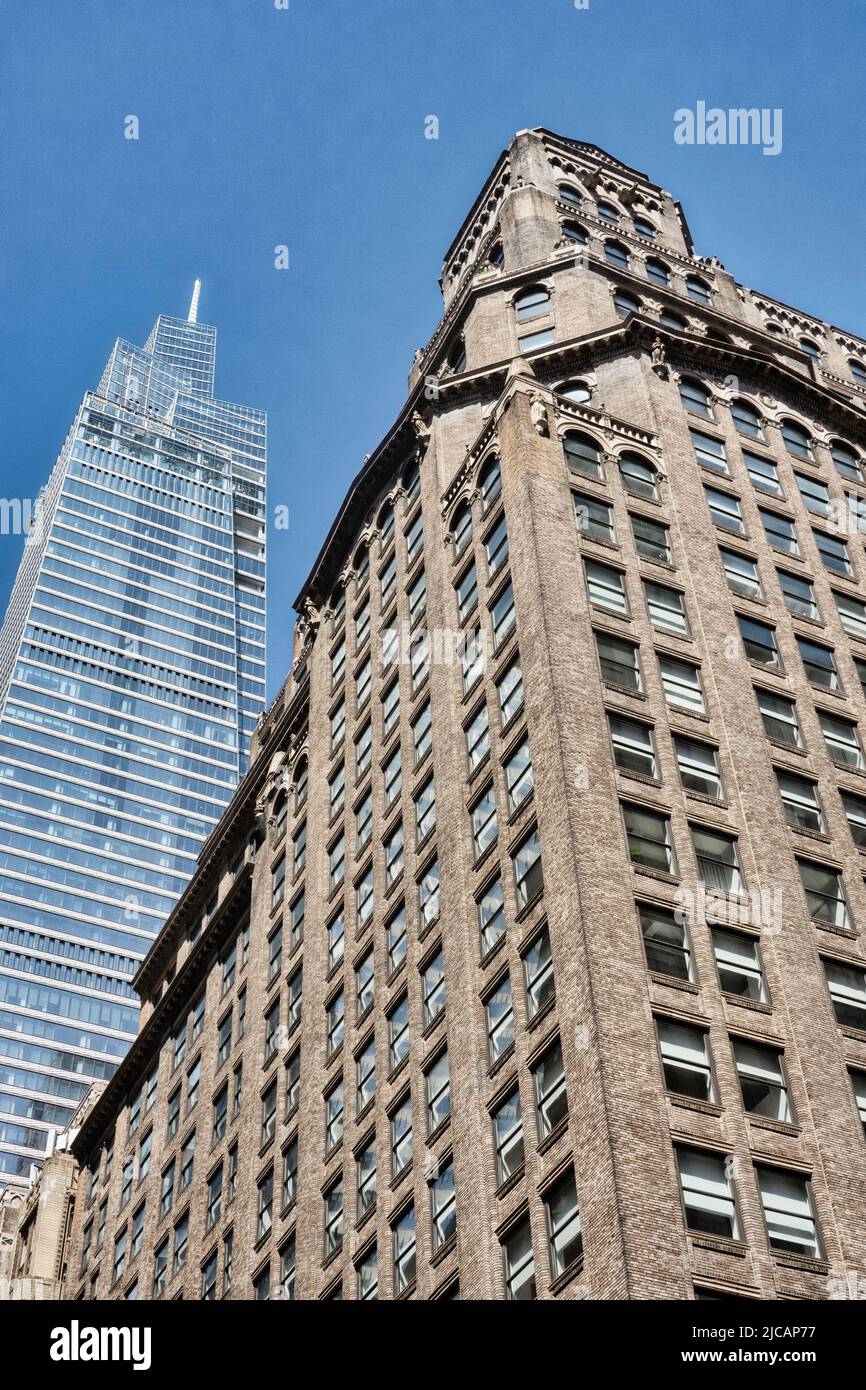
[659,359]
[421,428]
[538,415]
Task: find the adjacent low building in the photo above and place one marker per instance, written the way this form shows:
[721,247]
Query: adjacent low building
[528,959]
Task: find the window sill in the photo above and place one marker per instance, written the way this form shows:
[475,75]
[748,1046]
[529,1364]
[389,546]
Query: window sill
[567,1275]
[510,1183]
[847,932]
[434,1024]
[802,1262]
[500,1062]
[737,1248]
[525,911]
[494,951]
[401,1177]
[442,1254]
[775,1126]
[642,777]
[625,690]
[435,1135]
[544,1012]
[659,874]
[743,1002]
[701,1107]
[550,1141]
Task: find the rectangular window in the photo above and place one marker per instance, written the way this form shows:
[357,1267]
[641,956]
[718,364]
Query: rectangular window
[160,1269]
[404,1252]
[538,971]
[606,587]
[665,942]
[763,473]
[855,811]
[651,538]
[825,895]
[214,1198]
[563,1225]
[491,915]
[422,733]
[269,1114]
[787,1203]
[220,1113]
[368,1276]
[443,1205]
[509,688]
[391,708]
[334,1116]
[858,1082]
[685,1060]
[299,849]
[780,532]
[395,935]
[707,1194]
[338,725]
[394,855]
[483,816]
[478,738]
[698,765]
[173,1113]
[681,683]
[814,494]
[166,1196]
[296,996]
[762,1081]
[759,641]
[799,595]
[725,511]
[438,1086]
[518,775]
[847,984]
[718,859]
[366,1177]
[619,661]
[181,1245]
[334,1218]
[298,914]
[224,1039]
[852,613]
[336,940]
[364,983]
[467,592]
[433,988]
[388,581]
[519,1264]
[337,862]
[843,741]
[275,952]
[428,895]
[398,1032]
[425,811]
[741,572]
[417,595]
[336,1020]
[365,1075]
[187,1161]
[633,746]
[415,540]
[508,1137]
[820,664]
[834,554]
[293,1082]
[500,1019]
[338,662]
[551,1101]
[496,548]
[649,839]
[710,452]
[472,657]
[738,962]
[528,873]
[278,883]
[780,718]
[593,517]
[666,608]
[337,791]
[401,1136]
[503,617]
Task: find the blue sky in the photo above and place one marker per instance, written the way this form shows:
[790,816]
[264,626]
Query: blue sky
[305,127]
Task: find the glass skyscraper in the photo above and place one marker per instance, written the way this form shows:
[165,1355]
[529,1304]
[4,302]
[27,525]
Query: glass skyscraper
[132,671]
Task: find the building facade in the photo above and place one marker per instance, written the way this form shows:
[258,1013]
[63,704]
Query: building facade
[131,675]
[537,964]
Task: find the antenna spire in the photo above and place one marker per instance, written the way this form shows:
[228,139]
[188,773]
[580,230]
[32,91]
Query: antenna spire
[192,316]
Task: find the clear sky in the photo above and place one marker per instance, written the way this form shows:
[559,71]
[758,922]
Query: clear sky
[305,127]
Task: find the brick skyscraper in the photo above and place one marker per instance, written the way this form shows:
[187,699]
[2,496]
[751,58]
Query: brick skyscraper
[537,967]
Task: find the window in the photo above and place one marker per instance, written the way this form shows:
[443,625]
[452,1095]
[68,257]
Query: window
[395,934]
[649,839]
[334,1218]
[509,689]
[698,765]
[657,271]
[262,1286]
[181,1244]
[519,1263]
[759,642]
[651,538]
[625,304]
[365,1069]
[394,855]
[137,1231]
[855,811]
[531,303]
[433,988]
[681,683]
[364,900]
[834,554]
[187,1160]
[126,1181]
[530,341]
[417,596]
[391,708]
[119,1257]
[762,1080]
[710,452]
[763,473]
[467,592]
[299,849]
[846,461]
[297,920]
[401,1136]
[337,862]
[857,369]
[393,774]
[644,229]
[787,1203]
[593,518]
[576,391]
[404,1252]
[811,349]
[490,484]
[639,477]
[852,613]
[582,454]
[518,775]
[224,1039]
[725,510]
[365,1167]
[496,256]
[847,984]
[616,254]
[398,1032]
[669,320]
[718,859]
[428,895]
[414,540]
[574,232]
[551,1101]
[160,1269]
[500,1019]
[232,1185]
[478,738]
[538,972]
[799,595]
[214,1195]
[528,875]
[508,1137]
[364,983]
[336,1014]
[568,195]
[438,1087]
[843,741]
[166,1196]
[606,587]
[368,1275]
[697,289]
[422,733]
[780,718]
[746,420]
[472,656]
[461,529]
[738,962]
[799,801]
[780,532]
[820,664]
[814,494]
[425,811]
[796,440]
[491,915]
[363,679]
[858,1081]
[443,1206]
[666,608]
[741,573]
[606,212]
[287,1270]
[619,661]
[269,1114]
[825,895]
[685,1060]
[633,747]
[503,617]
[708,1197]
[334,1116]
[563,1225]
[296,997]
[696,398]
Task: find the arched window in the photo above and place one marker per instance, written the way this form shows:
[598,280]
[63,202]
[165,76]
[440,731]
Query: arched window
[576,391]
[846,461]
[496,255]
[625,304]
[616,253]
[697,289]
[696,398]
[796,440]
[644,228]
[638,476]
[529,304]
[300,784]
[490,483]
[669,320]
[568,195]
[386,526]
[657,271]
[461,531]
[811,349]
[457,356]
[606,212]
[361,565]
[858,369]
[582,454]
[412,482]
[774,328]
[574,232]
[716,336]
[746,419]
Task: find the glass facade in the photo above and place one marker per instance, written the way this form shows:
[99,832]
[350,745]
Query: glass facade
[132,672]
